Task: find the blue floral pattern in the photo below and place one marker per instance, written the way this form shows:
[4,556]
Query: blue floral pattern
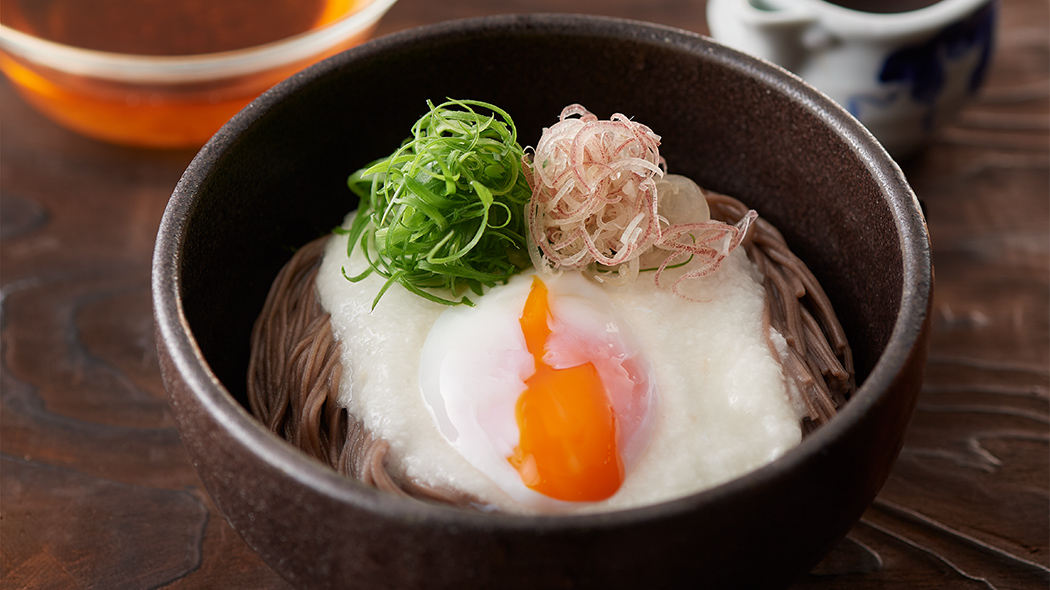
[921,68]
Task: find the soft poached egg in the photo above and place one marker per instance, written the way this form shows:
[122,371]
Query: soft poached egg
[543,387]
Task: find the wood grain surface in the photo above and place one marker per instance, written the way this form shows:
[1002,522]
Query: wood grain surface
[97,492]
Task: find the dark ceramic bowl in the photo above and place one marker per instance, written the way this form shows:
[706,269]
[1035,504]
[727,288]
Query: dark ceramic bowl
[274,177]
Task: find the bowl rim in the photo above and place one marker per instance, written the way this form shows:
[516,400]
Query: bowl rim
[184,69]
[903,343]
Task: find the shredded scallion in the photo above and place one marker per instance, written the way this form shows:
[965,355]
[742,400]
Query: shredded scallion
[445,213]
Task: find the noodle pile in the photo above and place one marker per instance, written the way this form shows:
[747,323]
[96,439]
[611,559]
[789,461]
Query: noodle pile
[294,369]
[293,382]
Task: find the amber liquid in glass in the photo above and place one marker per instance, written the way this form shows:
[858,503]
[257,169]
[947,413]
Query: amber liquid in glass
[158,115]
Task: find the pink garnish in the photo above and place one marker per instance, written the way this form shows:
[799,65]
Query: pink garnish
[593,191]
[594,203]
[714,241]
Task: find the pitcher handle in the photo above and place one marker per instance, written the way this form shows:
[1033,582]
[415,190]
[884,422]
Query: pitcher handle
[774,30]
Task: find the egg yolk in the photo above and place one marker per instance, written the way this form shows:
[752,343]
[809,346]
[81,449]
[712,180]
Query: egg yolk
[567,447]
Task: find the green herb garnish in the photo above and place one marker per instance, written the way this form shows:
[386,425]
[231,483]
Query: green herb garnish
[446,211]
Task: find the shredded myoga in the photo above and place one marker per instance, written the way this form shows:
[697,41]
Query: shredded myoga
[594,204]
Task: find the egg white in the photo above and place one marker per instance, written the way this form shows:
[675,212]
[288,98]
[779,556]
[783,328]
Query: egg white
[723,408]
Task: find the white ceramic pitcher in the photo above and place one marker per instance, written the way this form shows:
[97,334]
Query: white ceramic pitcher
[901,73]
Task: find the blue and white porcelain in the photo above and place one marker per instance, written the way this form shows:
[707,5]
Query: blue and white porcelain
[902,74]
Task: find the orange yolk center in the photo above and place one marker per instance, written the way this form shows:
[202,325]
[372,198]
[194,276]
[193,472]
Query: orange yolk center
[567,446]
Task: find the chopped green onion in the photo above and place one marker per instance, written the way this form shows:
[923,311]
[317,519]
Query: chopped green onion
[445,213]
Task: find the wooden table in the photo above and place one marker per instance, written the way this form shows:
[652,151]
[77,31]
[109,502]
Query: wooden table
[97,491]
